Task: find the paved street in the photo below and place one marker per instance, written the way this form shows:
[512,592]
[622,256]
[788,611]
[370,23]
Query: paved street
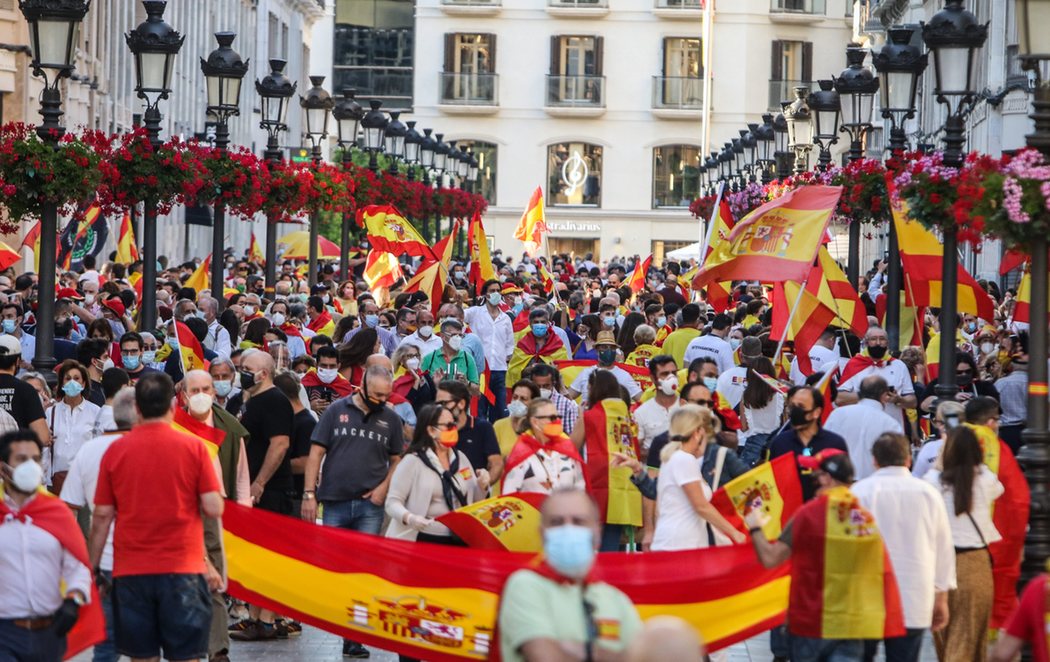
[319,646]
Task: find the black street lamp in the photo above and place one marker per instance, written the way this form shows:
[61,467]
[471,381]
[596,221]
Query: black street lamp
[441,151]
[426,160]
[1034,456]
[857,87]
[275,91]
[394,140]
[800,129]
[317,106]
[223,71]
[899,64]
[783,157]
[413,144]
[374,125]
[766,141]
[826,108]
[154,44]
[953,35]
[749,139]
[347,114]
[54,31]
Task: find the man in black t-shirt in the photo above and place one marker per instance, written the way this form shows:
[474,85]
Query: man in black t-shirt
[17,397]
[477,438]
[303,424]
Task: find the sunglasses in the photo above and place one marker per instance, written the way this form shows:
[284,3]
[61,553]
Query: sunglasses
[702,403]
[445,426]
[553,418]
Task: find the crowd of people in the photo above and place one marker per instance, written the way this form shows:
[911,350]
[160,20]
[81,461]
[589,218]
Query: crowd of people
[379,411]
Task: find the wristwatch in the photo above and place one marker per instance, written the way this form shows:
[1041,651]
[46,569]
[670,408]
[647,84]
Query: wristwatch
[77,597]
[308,494]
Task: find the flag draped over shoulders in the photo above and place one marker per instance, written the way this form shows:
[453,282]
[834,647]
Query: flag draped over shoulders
[609,429]
[527,352]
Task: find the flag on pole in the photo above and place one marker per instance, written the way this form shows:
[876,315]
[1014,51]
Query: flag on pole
[382,269]
[722,224]
[430,279]
[127,251]
[532,226]
[1024,297]
[191,353]
[443,247]
[255,253]
[85,236]
[636,279]
[8,256]
[510,522]
[200,278]
[32,242]
[824,386]
[546,279]
[389,231]
[481,267]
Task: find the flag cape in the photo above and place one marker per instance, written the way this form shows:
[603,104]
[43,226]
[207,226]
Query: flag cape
[532,225]
[201,276]
[526,353]
[636,279]
[609,429]
[510,522]
[389,231]
[53,515]
[255,253]
[430,279]
[843,586]
[481,267]
[440,603]
[778,240]
[190,349]
[127,250]
[1010,517]
[341,385]
[382,269]
[771,486]
[322,324]
[527,446]
[212,437]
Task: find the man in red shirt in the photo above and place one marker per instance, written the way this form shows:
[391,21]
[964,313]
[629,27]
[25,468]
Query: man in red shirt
[158,481]
[1027,625]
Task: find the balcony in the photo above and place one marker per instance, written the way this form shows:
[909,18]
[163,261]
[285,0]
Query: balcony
[469,94]
[677,97]
[784,90]
[578,8]
[797,11]
[679,9]
[575,96]
[472,7]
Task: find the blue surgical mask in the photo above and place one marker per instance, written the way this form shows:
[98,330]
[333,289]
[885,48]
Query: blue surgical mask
[9,326]
[711,383]
[131,362]
[609,321]
[569,550]
[495,298]
[661,322]
[371,321]
[539,330]
[72,388]
[223,387]
[149,356]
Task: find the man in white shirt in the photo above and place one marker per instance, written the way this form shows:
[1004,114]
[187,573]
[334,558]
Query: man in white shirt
[822,352]
[218,338]
[913,521]
[862,423]
[607,350]
[874,361]
[713,344]
[496,331]
[732,382]
[423,337]
[653,417]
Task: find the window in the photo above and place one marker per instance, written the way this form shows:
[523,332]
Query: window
[680,85]
[792,66]
[373,50]
[660,248]
[576,71]
[676,175]
[274,38]
[485,153]
[470,65]
[574,174]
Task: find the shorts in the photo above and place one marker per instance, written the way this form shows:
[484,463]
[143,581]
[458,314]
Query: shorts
[170,612]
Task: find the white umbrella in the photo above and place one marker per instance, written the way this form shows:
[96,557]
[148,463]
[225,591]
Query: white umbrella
[690,252]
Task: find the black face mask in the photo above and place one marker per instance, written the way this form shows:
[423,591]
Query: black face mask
[797,416]
[63,328]
[247,379]
[876,351]
[371,405]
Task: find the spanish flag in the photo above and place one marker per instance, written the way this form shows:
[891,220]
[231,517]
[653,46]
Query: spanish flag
[8,256]
[443,247]
[772,487]
[389,231]
[532,226]
[1024,297]
[807,323]
[527,352]
[570,369]
[609,429]
[510,522]
[201,277]
[481,267]
[190,350]
[127,251]
[842,586]
[211,437]
[546,279]
[721,227]
[430,279]
[636,279]
[255,253]
[74,232]
[382,269]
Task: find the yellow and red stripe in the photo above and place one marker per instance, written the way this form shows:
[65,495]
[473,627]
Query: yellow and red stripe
[510,522]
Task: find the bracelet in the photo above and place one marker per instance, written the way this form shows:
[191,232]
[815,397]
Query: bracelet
[755,529]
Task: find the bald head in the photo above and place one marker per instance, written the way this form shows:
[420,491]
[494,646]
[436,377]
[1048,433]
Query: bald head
[666,638]
[259,363]
[570,507]
[380,360]
[198,381]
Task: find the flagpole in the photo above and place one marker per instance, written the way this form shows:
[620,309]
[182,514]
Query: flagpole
[791,317]
[178,346]
[706,240]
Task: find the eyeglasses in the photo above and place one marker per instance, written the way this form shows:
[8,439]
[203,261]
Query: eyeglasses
[702,403]
[445,426]
[553,418]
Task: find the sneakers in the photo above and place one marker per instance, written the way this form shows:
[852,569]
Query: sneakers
[354,650]
[239,626]
[287,628]
[255,631]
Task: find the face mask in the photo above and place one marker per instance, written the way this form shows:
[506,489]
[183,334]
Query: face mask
[971,327]
[107,364]
[494,298]
[278,319]
[247,379]
[877,351]
[327,375]
[371,321]
[455,342]
[27,476]
[326,298]
[553,429]
[539,330]
[448,438]
[609,321]
[173,342]
[9,326]
[668,385]
[711,383]
[249,310]
[607,356]
[200,403]
[116,327]
[131,362]
[569,549]
[798,416]
[223,387]
[987,347]
[89,299]
[517,408]
[661,322]
[425,332]
[412,363]
[546,393]
[458,275]
[503,278]
[735,342]
[72,388]
[149,356]
[373,405]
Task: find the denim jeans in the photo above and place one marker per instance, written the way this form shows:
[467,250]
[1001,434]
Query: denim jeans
[898,649]
[754,450]
[357,515]
[498,384]
[808,649]
[20,644]
[106,651]
[611,536]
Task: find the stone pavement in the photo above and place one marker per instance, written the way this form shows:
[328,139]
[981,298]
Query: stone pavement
[317,646]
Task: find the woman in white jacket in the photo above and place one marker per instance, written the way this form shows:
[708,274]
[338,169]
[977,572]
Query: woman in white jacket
[432,479]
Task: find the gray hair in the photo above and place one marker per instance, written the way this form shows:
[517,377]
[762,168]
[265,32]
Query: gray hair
[378,372]
[124,413]
[224,361]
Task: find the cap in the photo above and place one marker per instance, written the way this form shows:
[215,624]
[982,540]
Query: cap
[318,289]
[832,461]
[116,305]
[9,345]
[606,338]
[68,293]
[510,288]
[751,347]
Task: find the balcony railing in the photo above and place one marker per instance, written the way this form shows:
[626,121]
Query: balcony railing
[575,91]
[680,4]
[577,4]
[677,93]
[472,3]
[469,89]
[784,90]
[811,7]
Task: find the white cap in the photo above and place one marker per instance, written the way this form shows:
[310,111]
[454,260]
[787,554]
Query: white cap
[9,345]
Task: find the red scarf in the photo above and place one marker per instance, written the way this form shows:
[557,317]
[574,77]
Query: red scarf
[320,322]
[529,445]
[291,330]
[521,322]
[341,385]
[403,384]
[862,362]
[552,344]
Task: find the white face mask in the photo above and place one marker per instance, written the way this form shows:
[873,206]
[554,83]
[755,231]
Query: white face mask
[27,476]
[669,385]
[517,408]
[455,342]
[545,393]
[987,347]
[412,363]
[249,310]
[425,332]
[200,403]
[327,375]
[107,363]
[278,319]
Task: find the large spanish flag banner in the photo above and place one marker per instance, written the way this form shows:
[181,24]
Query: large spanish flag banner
[570,369]
[441,603]
[510,522]
[779,240]
[389,231]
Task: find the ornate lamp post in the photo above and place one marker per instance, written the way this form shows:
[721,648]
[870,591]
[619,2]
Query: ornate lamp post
[54,31]
[347,114]
[749,140]
[764,136]
[275,91]
[826,107]
[223,71]
[800,129]
[737,164]
[154,44]
[711,173]
[413,144]
[316,105]
[395,135]
[426,160]
[782,156]
[899,65]
[953,36]
[374,124]
[1033,17]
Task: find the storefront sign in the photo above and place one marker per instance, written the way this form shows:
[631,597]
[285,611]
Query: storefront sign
[571,226]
